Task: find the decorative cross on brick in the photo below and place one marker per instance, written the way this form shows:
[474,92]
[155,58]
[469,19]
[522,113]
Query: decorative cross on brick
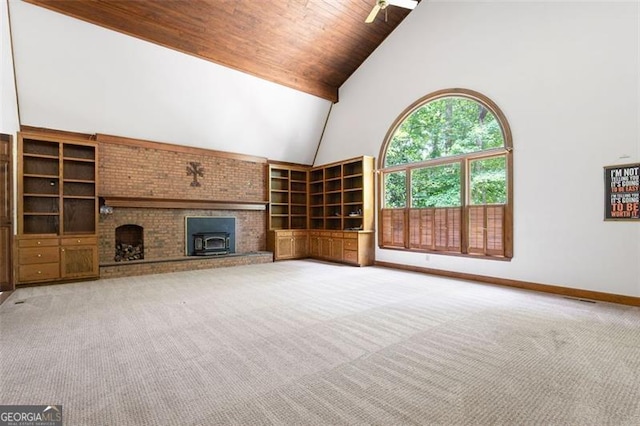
[194,169]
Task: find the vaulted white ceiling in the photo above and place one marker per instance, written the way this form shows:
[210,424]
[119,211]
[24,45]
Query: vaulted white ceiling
[75,76]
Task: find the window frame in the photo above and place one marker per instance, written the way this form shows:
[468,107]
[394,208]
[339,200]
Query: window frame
[464,160]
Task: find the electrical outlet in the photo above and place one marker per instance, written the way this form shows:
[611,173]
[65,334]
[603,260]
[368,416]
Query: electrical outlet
[427,258]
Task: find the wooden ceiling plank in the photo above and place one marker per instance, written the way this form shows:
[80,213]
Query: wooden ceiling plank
[309,45]
[129,27]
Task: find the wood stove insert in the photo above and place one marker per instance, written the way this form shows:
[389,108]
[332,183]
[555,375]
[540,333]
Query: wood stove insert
[209,235]
[210,243]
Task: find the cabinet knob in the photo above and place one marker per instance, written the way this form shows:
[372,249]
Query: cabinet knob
[39,255]
[39,272]
[79,240]
[62,249]
[38,242]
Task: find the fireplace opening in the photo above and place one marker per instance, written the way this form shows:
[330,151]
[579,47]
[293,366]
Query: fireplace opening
[210,243]
[129,243]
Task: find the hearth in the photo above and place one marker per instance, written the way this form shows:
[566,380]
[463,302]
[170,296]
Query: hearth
[210,243]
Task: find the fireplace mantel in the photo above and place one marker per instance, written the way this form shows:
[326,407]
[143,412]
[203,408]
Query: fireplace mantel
[167,203]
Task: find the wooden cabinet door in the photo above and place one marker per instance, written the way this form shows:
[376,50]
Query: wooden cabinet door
[336,249]
[284,247]
[300,246]
[325,247]
[314,247]
[79,261]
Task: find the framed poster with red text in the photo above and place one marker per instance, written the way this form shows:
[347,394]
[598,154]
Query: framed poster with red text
[622,192]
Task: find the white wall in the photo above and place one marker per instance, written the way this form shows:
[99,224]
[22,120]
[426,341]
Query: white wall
[566,77]
[9,106]
[80,77]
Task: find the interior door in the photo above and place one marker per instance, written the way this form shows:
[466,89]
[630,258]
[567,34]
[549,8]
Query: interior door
[6,216]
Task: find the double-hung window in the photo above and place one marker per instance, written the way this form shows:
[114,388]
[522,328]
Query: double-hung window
[446,178]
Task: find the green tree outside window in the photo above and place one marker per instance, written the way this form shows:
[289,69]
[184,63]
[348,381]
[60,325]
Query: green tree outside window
[449,156]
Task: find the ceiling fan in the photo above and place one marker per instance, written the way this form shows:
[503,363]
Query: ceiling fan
[383,4]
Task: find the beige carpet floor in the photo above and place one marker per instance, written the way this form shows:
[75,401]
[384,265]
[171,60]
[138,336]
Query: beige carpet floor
[311,343]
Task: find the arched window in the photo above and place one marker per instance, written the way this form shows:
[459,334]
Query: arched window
[446,177]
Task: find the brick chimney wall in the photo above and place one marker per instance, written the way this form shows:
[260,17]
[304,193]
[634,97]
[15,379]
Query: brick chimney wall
[130,168]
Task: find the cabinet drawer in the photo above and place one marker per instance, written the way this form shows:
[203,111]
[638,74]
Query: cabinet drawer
[353,235]
[350,244]
[43,272]
[284,233]
[28,256]
[44,242]
[79,241]
[336,235]
[351,256]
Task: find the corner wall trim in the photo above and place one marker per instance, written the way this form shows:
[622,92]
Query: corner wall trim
[13,63]
[525,285]
[324,128]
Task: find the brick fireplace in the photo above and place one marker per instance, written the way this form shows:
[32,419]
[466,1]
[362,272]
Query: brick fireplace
[165,230]
[154,191]
[165,236]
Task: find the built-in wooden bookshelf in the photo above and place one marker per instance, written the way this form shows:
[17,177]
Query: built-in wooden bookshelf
[288,210]
[340,201]
[341,195]
[57,208]
[287,197]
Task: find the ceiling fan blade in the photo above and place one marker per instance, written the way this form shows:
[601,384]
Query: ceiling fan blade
[373,14]
[407,4]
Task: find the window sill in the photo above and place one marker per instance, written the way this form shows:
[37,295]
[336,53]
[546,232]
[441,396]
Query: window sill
[449,253]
